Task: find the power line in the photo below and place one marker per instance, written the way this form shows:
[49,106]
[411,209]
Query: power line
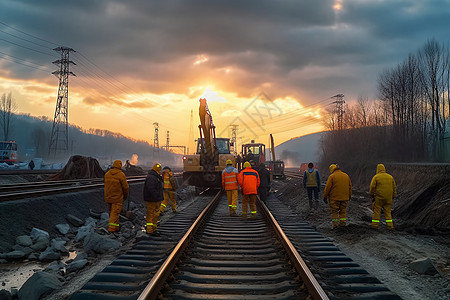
[33,36]
[28,48]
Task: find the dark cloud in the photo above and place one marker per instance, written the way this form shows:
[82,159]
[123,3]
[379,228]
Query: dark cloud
[262,42]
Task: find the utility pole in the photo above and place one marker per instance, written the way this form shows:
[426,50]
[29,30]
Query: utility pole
[234,129]
[156,141]
[59,140]
[167,141]
[191,132]
[339,109]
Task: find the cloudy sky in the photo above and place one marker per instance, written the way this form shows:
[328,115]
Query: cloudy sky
[266,66]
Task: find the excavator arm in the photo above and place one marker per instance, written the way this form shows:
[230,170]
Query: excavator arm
[209,156]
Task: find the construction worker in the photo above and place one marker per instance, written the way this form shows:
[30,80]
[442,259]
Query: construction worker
[116,190]
[264,187]
[153,195]
[170,186]
[311,182]
[249,181]
[339,191]
[382,190]
[230,185]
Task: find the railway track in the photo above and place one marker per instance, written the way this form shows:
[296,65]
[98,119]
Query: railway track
[214,256]
[34,189]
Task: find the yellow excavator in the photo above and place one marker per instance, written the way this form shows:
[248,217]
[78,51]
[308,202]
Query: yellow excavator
[204,168]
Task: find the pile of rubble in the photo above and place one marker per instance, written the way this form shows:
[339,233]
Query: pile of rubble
[80,167]
[88,239]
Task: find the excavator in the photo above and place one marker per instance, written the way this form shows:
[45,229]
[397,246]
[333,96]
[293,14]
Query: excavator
[276,167]
[204,168]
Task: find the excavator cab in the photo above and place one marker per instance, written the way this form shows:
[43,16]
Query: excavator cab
[254,153]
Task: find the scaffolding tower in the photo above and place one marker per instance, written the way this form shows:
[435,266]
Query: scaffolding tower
[59,140]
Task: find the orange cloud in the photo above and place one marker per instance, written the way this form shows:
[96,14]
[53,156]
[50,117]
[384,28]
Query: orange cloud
[101,100]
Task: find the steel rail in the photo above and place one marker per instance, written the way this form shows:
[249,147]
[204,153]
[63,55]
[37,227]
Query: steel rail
[308,278]
[58,190]
[153,288]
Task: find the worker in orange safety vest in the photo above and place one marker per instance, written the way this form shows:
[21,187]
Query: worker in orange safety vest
[116,190]
[230,185]
[249,182]
[170,186]
[382,189]
[338,190]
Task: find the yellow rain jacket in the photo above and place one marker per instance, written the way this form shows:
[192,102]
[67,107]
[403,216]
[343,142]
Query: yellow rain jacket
[383,185]
[338,187]
[116,185]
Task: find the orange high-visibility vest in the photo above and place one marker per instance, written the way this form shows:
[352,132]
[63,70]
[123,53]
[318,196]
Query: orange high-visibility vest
[167,184]
[249,181]
[229,180]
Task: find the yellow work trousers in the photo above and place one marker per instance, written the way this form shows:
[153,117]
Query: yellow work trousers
[152,215]
[386,205]
[232,196]
[114,211]
[248,200]
[338,210]
[169,195]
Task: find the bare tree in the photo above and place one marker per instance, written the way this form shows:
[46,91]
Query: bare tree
[7,108]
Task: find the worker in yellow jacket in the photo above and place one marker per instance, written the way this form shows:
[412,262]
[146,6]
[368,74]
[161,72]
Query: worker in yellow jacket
[116,190]
[339,191]
[382,189]
[170,186]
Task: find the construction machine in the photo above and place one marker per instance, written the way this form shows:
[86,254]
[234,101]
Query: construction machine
[204,168]
[276,167]
[254,153]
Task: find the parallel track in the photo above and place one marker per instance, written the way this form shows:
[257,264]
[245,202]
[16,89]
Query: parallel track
[227,258]
[43,188]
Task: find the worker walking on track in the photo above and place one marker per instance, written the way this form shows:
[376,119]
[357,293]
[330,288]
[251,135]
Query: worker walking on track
[311,182]
[153,195]
[339,191]
[382,189]
[116,190]
[230,185]
[249,182]
[170,186]
[264,187]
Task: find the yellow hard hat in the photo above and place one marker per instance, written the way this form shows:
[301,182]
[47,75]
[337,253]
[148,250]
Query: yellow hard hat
[157,168]
[332,167]
[247,165]
[229,162]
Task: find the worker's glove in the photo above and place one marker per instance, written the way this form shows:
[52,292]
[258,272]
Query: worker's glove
[325,200]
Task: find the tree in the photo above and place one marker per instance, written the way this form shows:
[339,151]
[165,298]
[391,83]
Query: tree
[7,109]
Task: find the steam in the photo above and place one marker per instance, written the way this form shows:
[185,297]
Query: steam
[134,159]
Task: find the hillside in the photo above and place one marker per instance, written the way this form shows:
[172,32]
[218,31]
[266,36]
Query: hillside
[33,135]
[299,150]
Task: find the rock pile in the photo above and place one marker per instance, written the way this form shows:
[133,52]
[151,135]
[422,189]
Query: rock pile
[88,239]
[80,167]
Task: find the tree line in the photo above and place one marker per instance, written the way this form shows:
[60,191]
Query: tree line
[408,120]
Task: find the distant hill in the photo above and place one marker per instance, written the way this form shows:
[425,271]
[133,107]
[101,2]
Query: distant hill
[32,135]
[299,150]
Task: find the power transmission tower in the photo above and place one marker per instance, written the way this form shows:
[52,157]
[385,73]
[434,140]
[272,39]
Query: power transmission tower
[167,141]
[59,140]
[234,129]
[339,109]
[191,132]
[156,141]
